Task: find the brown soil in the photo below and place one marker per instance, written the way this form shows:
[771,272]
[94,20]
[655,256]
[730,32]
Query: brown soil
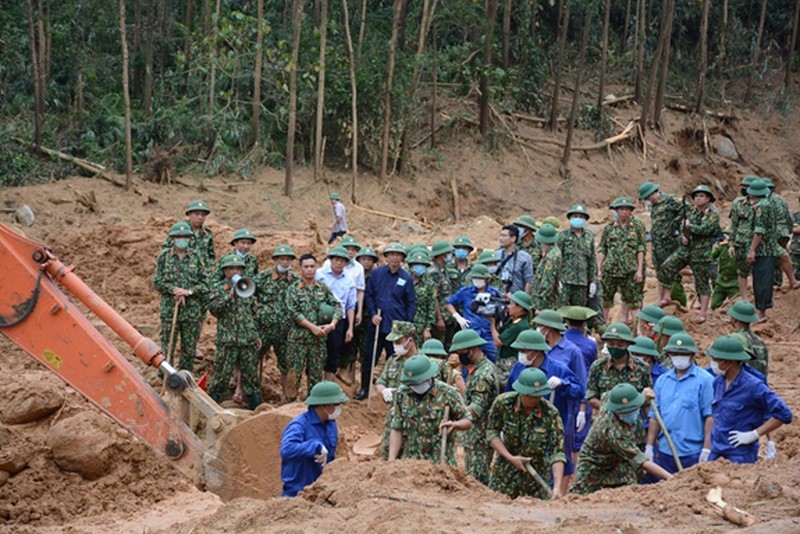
[114,249]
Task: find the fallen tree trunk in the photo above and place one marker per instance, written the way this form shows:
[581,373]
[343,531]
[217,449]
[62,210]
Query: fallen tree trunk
[84,164]
[390,215]
[626,134]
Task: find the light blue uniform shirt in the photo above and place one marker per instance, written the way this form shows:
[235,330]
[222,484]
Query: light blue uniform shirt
[343,287]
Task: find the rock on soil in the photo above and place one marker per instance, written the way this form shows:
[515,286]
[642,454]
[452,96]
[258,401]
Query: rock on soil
[83,444]
[31,396]
[727,149]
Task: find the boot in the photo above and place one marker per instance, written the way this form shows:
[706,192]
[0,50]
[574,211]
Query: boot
[254,400]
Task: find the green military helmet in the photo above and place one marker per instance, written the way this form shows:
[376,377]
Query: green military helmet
[480,271]
[433,347]
[552,221]
[622,202]
[526,221]
[651,314]
[643,345]
[647,189]
[546,234]
[522,299]
[416,248]
[339,252]
[530,340]
[417,370]
[768,181]
[681,343]
[326,313]
[441,247]
[704,189]
[335,196]
[466,339]
[618,331]
[623,398]
[743,311]
[669,325]
[181,229]
[487,257]
[419,257]
[401,329]
[576,313]
[394,246]
[368,251]
[532,382]
[551,319]
[728,348]
[748,180]
[197,205]
[578,209]
[231,260]
[349,241]
[283,250]
[463,242]
[758,188]
[326,392]
[243,233]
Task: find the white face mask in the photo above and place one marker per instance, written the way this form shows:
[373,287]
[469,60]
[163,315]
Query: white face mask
[479,283]
[282,269]
[716,369]
[681,363]
[400,349]
[421,389]
[524,358]
[336,413]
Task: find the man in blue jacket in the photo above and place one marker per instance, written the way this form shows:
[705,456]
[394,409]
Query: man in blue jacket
[309,441]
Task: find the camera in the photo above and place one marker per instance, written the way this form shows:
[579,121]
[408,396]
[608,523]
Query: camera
[488,305]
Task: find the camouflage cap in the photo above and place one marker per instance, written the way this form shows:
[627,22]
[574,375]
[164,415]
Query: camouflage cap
[401,329]
[283,250]
[244,233]
[197,205]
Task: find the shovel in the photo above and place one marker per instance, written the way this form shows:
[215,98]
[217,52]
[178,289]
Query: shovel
[538,478]
[666,435]
[443,451]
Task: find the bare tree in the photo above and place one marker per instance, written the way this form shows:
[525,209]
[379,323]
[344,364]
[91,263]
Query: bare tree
[701,82]
[435,82]
[587,24]
[353,101]
[297,21]
[756,51]
[483,83]
[603,56]
[387,103]
[507,7]
[641,41]
[212,89]
[787,80]
[148,59]
[654,68]
[361,27]
[323,37]
[723,36]
[664,71]
[35,68]
[257,68]
[623,44]
[127,98]
[563,17]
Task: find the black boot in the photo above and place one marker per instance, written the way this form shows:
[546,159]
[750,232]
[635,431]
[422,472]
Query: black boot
[361,395]
[254,400]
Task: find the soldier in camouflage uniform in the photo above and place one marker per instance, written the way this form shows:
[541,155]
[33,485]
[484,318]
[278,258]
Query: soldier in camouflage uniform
[368,258]
[525,428]
[418,414]
[546,283]
[743,314]
[764,249]
[579,265]
[482,388]
[743,216]
[438,276]
[702,225]
[621,259]
[490,259]
[202,239]
[616,368]
[242,242]
[794,248]
[726,285]
[425,292]
[460,266]
[237,340]
[527,229]
[181,277]
[610,457]
[306,349]
[785,223]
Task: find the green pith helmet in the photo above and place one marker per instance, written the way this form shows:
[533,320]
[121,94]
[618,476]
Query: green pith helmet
[480,271]
[394,246]
[728,348]
[578,209]
[419,257]
[681,343]
[622,202]
[526,221]
[416,247]
[551,319]
[441,247]
[488,256]
[647,189]
[231,260]
[623,398]
[547,234]
[197,205]
[181,229]
[335,196]
[522,299]
[244,233]
[326,392]
[417,370]
[748,180]
[463,242]
[401,329]
[552,221]
[651,314]
[349,241]
[669,325]
[758,188]
[325,313]
[743,311]
[645,346]
[530,340]
[703,189]
[576,313]
[368,251]
[433,347]
[532,382]
[339,252]
[466,339]
[768,181]
[618,331]
[283,250]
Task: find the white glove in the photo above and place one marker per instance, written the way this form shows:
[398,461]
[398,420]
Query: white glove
[648,451]
[580,421]
[463,323]
[704,454]
[592,290]
[738,439]
[604,350]
[560,287]
[772,450]
[322,457]
[554,382]
[387,395]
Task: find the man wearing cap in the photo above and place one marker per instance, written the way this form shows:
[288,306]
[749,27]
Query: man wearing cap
[764,250]
[547,282]
[611,457]
[418,415]
[524,428]
[620,259]
[744,407]
[701,231]
[459,266]
[424,294]
[616,368]
[742,216]
[306,344]
[339,225]
[516,266]
[742,315]
[491,260]
[527,226]
[242,243]
[354,270]
[390,290]
[202,238]
[645,348]
[343,288]
[552,327]
[181,279]
[684,395]
[464,299]
[367,258]
[441,251]
[309,441]
[649,316]
[579,266]
[273,316]
[482,389]
[448,370]
[517,321]
[237,340]
[783,217]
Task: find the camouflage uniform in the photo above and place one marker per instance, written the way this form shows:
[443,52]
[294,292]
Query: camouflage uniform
[305,351]
[704,228]
[544,290]
[665,228]
[620,244]
[783,218]
[795,246]
[438,276]
[202,243]
[418,419]
[755,346]
[250,266]
[390,378]
[425,314]
[457,278]
[482,389]
[579,266]
[359,339]
[236,340]
[726,285]
[743,220]
[538,435]
[187,273]
[610,456]
[766,224]
[604,375]
[273,317]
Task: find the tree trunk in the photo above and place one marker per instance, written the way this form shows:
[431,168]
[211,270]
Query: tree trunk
[212,90]
[42,48]
[137,69]
[532,28]
[624,43]
[654,68]
[206,17]
[701,82]
[148,59]
[127,98]
[323,36]
[353,102]
[48,45]
[723,37]
[435,80]
[506,31]
[187,40]
[603,56]
[587,24]
[37,88]
[79,95]
[563,16]
[361,27]
[787,80]
[483,85]
[641,42]
[254,133]
[756,51]
[664,71]
[387,112]
[297,22]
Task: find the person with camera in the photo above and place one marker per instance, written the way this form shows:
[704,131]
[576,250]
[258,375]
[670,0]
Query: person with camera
[515,322]
[516,266]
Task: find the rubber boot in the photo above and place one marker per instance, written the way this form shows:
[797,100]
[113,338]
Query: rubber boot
[254,400]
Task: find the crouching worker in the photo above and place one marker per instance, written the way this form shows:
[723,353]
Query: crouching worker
[309,441]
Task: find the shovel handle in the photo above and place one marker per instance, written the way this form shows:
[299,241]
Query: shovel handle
[666,435]
[443,450]
[538,478]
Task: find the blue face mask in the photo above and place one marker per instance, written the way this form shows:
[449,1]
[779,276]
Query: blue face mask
[629,418]
[461,253]
[577,222]
[418,270]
